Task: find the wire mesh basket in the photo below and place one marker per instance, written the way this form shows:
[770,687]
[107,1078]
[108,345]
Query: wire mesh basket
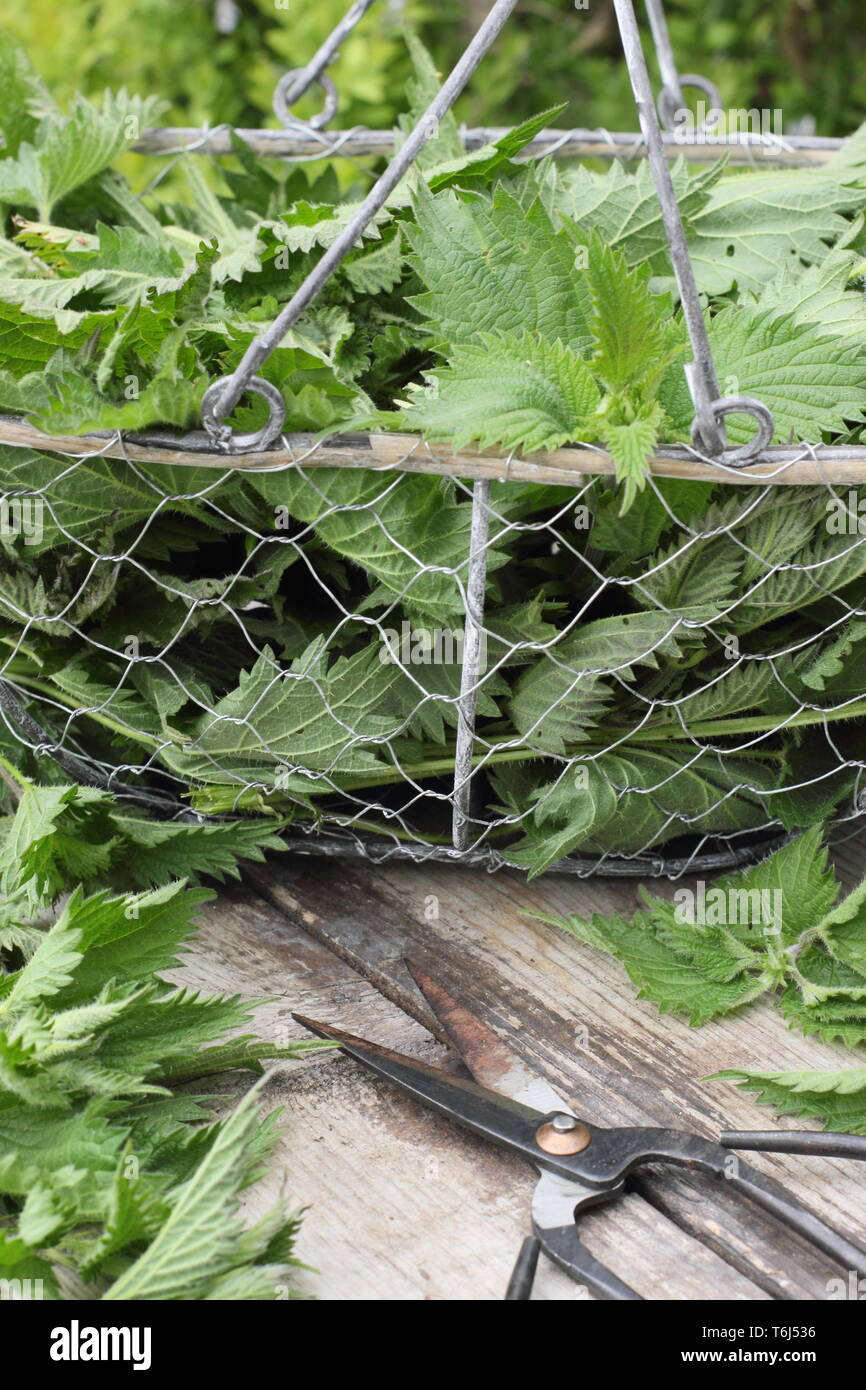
[306,658]
[408,653]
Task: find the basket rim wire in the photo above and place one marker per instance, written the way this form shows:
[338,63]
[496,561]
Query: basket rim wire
[785,465]
[577,142]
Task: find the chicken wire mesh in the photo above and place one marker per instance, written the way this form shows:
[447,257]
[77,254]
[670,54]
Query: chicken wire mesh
[655,692]
[409,659]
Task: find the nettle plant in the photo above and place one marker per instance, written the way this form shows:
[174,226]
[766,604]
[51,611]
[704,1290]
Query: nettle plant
[686,660]
[661,656]
[114,1183]
[777,931]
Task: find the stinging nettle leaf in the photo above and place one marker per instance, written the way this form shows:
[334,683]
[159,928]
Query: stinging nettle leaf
[517,392]
[68,151]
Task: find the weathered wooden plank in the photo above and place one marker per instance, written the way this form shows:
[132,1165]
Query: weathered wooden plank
[573,1015]
[404,1205]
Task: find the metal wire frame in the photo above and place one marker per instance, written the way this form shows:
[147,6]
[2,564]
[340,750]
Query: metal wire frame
[670,99]
[579,142]
[707,854]
[294,84]
[306,139]
[327,845]
[785,465]
[710,408]
[223,395]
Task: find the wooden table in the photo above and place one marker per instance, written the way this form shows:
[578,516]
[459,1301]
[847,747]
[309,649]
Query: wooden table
[403,1204]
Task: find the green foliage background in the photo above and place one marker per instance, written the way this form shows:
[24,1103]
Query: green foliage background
[803,56]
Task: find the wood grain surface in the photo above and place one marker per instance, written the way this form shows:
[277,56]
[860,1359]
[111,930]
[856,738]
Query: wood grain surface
[402,1204]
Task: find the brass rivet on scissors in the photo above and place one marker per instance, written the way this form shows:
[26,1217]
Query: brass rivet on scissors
[562,1135]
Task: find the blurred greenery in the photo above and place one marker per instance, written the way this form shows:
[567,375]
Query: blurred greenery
[803,56]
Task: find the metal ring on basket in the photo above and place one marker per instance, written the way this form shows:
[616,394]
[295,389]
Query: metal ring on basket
[669,103]
[223,435]
[283,107]
[739,405]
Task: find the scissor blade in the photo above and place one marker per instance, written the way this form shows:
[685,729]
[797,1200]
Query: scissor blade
[497,1118]
[488,1058]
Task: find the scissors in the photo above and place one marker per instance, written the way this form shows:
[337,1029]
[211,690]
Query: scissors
[581,1164]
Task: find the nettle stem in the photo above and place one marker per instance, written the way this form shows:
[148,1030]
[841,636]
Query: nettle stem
[441,762]
[13,778]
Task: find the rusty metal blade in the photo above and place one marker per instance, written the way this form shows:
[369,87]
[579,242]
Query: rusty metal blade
[488,1058]
[496,1117]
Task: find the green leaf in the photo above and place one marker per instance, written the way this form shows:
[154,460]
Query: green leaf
[96,1161]
[843,929]
[655,797]
[23,99]
[820,296]
[198,1244]
[478,167]
[670,980]
[379,269]
[410,533]
[66,152]
[317,715]
[445,142]
[800,874]
[632,445]
[77,407]
[654,511]
[695,578]
[564,816]
[26,857]
[517,392]
[837,1098]
[121,269]
[156,852]
[159,1031]
[28,341]
[490,264]
[134,1215]
[565,692]
[51,968]
[810,381]
[754,225]
[76,1144]
[631,339]
[682,790]
[622,205]
[132,936]
[832,1020]
[763,928]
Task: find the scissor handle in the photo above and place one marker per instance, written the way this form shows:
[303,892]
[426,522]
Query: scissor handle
[774,1199]
[816,1145]
[563,1246]
[523,1274]
[557,1204]
[615,1153]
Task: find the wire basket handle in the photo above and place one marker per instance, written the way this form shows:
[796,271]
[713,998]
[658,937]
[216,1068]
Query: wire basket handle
[223,395]
[670,100]
[708,430]
[293,85]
